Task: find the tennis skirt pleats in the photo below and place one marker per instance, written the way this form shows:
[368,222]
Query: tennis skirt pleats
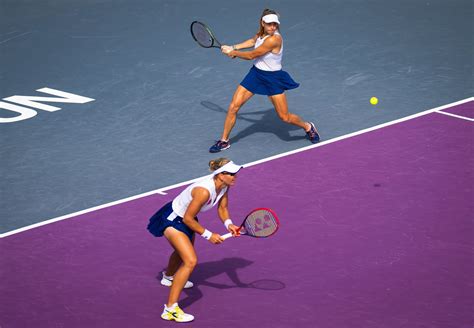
[268,83]
[159,222]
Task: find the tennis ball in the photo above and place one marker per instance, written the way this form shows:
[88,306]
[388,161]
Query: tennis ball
[374,100]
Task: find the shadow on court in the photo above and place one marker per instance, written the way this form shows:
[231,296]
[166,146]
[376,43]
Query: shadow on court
[265,121]
[229,266]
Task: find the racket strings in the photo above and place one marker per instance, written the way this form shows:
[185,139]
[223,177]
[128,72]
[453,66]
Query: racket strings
[260,223]
[202,35]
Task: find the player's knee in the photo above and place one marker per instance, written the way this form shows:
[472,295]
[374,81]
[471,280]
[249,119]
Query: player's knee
[284,117]
[190,263]
[234,108]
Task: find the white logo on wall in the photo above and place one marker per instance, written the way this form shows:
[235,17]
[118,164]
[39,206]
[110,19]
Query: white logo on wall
[34,102]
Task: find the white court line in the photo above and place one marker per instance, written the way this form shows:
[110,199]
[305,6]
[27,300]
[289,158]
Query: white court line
[457,116]
[161,191]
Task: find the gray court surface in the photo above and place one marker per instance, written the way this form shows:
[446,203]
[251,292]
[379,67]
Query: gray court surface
[160,100]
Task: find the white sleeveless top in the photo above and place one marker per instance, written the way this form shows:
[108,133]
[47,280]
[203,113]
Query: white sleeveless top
[181,202]
[269,61]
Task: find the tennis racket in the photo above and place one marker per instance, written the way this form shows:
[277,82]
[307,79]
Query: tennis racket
[260,223]
[203,35]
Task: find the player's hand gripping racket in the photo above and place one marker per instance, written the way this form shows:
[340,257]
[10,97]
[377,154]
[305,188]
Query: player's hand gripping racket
[260,223]
[203,35]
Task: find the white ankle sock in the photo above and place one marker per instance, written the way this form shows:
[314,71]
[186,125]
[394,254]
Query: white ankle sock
[171,307]
[167,277]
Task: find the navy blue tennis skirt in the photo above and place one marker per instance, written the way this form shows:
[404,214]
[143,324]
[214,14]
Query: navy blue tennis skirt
[159,222]
[268,83]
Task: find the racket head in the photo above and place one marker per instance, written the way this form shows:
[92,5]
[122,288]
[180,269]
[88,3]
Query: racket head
[260,223]
[203,35]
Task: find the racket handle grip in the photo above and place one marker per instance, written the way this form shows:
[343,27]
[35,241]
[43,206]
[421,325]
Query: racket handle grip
[226,236]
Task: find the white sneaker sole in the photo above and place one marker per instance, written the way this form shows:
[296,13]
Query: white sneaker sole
[187,318]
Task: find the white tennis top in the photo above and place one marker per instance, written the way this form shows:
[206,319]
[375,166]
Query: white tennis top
[181,202]
[269,61]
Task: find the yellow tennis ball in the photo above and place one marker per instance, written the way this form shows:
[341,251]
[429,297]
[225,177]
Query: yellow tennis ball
[374,100]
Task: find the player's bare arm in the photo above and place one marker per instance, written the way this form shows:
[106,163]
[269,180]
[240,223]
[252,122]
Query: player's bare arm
[271,43]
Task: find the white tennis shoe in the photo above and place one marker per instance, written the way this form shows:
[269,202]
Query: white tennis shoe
[168,281]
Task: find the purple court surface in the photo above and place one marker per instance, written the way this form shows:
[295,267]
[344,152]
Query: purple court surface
[376,231]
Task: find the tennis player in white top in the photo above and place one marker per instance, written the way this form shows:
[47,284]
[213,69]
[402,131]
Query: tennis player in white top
[177,221]
[266,77]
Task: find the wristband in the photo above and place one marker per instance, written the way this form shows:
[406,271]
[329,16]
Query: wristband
[206,234]
[234,48]
[227,223]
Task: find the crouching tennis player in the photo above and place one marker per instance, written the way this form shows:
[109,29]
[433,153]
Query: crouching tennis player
[178,222]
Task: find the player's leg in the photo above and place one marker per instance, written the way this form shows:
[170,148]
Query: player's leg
[185,249]
[240,97]
[174,263]
[281,107]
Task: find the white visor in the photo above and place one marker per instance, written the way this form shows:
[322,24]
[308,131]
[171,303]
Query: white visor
[272,18]
[230,167]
